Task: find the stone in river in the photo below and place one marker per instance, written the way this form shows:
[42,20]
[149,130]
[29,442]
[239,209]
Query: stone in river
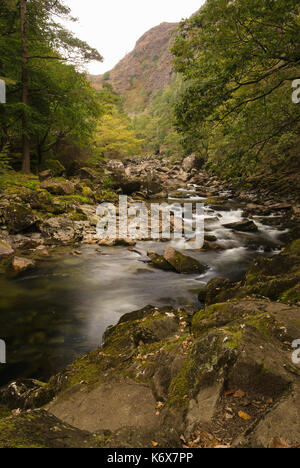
[159,261]
[182,263]
[22,264]
[242,226]
[5,250]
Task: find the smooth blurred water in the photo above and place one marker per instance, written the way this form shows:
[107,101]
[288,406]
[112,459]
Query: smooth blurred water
[52,316]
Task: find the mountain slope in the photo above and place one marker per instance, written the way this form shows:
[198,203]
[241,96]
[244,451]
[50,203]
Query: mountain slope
[145,70]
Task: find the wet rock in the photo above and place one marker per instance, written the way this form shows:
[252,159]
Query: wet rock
[210,238]
[62,231]
[57,187]
[20,241]
[217,290]
[258,209]
[129,186]
[242,226]
[117,242]
[5,250]
[20,264]
[182,263]
[159,261]
[18,218]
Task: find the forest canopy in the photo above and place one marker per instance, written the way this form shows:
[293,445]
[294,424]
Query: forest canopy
[50,102]
[239,60]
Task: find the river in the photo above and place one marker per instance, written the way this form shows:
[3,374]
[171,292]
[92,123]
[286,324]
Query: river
[51,316]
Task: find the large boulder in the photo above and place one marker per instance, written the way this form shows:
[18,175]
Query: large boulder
[58,187]
[62,231]
[192,162]
[129,186]
[242,226]
[182,263]
[18,218]
[116,165]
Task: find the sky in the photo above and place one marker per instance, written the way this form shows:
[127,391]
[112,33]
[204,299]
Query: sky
[114,26]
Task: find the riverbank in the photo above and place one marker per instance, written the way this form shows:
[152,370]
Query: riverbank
[173,378]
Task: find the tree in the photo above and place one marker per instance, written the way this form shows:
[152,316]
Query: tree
[34,44]
[115,137]
[238,60]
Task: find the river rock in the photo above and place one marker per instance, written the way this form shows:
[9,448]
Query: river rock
[182,263]
[45,175]
[62,231]
[5,250]
[19,218]
[243,226]
[58,187]
[21,264]
[89,174]
[192,162]
[159,261]
[117,242]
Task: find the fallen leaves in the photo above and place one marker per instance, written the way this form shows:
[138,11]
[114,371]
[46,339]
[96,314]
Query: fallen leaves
[204,440]
[154,443]
[244,416]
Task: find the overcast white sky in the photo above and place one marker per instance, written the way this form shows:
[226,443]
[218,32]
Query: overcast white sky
[114,26]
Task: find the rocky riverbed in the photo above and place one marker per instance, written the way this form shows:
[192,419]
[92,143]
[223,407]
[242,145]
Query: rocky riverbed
[208,363]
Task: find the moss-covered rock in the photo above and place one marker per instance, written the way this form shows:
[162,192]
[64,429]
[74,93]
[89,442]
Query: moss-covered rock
[277,278]
[158,261]
[39,429]
[19,218]
[58,187]
[182,263]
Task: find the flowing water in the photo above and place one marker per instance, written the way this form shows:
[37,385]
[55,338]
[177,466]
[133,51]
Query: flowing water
[55,314]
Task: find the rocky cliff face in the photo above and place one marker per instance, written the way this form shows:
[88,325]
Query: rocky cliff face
[145,70]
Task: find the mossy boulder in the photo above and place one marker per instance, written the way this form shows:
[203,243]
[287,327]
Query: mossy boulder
[242,226]
[39,429]
[19,218]
[58,187]
[62,231]
[183,263]
[25,394]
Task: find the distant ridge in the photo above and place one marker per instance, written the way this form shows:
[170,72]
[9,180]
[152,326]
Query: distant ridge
[145,70]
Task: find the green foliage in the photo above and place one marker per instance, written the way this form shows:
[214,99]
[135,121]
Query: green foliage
[155,125]
[63,107]
[5,159]
[115,136]
[238,60]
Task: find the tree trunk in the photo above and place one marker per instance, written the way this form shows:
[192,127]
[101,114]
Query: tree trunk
[25,90]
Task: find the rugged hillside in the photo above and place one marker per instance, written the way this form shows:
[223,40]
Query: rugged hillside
[145,70]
